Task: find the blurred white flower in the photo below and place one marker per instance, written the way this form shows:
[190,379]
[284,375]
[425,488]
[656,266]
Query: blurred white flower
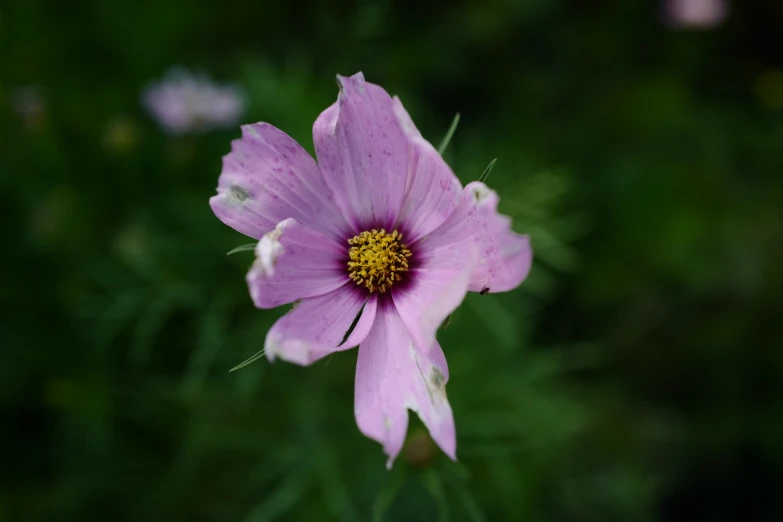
[702,14]
[185,102]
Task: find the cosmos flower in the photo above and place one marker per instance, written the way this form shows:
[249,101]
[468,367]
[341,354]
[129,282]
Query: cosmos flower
[379,228]
[703,14]
[184,102]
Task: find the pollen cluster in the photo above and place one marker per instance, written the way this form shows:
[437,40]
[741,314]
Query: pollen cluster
[376,259]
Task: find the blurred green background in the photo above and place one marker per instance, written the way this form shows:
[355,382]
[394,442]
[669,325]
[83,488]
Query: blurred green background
[635,376]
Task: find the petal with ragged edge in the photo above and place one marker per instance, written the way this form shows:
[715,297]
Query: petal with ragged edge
[444,261]
[392,376]
[363,154]
[505,256]
[294,262]
[268,177]
[316,326]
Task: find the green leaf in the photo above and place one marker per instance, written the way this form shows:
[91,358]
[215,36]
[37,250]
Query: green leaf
[485,174]
[386,496]
[283,499]
[210,335]
[472,509]
[242,248]
[434,486]
[501,323]
[450,134]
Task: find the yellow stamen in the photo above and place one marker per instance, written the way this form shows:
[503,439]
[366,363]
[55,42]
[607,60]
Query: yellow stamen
[377,258]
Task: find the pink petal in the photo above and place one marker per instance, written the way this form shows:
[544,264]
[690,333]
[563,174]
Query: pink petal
[444,261]
[294,262]
[268,177]
[432,191]
[408,127]
[505,256]
[392,376]
[316,326]
[363,154]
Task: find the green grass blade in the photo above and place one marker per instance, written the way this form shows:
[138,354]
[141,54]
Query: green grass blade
[450,134]
[485,174]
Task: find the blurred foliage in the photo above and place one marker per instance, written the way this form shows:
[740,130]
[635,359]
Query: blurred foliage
[635,375]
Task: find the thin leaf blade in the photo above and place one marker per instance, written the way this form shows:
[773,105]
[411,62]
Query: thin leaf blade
[242,248]
[449,134]
[485,174]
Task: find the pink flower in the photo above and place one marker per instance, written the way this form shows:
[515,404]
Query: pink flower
[380,227]
[184,102]
[694,13]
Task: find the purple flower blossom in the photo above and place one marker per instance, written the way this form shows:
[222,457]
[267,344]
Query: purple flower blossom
[703,14]
[184,102]
[379,228]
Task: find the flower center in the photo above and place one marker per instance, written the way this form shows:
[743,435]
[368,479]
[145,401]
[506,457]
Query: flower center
[376,259]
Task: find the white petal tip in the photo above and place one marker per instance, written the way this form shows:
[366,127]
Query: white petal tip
[268,251]
[481,192]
